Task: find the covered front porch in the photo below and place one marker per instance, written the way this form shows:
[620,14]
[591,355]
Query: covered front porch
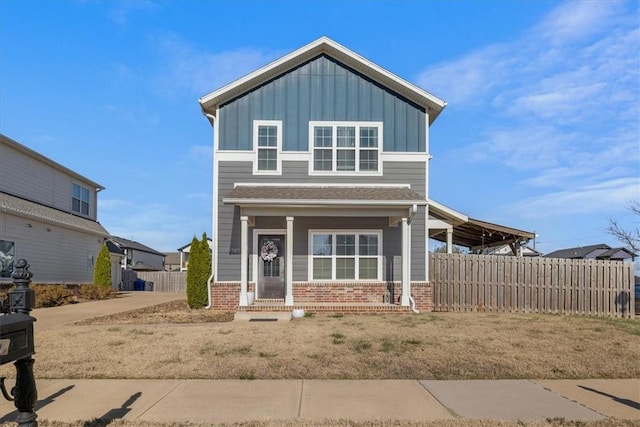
[326,248]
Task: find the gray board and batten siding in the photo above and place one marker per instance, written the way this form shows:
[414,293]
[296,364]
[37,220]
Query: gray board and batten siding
[296,172]
[322,89]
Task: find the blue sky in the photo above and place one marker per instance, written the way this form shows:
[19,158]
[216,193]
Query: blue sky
[541,131]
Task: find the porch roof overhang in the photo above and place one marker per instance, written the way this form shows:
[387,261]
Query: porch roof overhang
[325,200]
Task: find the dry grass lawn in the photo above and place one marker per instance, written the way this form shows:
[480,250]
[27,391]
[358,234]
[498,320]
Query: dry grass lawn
[171,341]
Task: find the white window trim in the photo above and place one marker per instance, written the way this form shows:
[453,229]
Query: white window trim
[334,256]
[334,148]
[82,187]
[278,125]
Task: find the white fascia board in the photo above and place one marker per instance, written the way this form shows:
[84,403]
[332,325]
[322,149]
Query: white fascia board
[319,46]
[440,209]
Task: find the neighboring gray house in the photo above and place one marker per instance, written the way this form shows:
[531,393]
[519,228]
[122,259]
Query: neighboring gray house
[184,254]
[138,257]
[48,215]
[321,194]
[599,251]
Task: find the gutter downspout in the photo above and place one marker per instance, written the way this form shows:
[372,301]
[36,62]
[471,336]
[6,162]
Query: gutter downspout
[210,279]
[413,305]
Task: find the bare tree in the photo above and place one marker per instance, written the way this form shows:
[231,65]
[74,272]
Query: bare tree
[630,238]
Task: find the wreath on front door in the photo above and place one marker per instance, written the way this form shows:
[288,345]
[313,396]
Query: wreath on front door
[269,251]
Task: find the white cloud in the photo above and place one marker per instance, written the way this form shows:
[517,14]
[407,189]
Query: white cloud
[185,68]
[120,11]
[597,198]
[201,152]
[560,105]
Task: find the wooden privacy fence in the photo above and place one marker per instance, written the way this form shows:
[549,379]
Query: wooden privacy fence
[165,281]
[539,285]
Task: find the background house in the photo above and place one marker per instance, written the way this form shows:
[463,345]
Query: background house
[138,257]
[597,251]
[48,216]
[183,251]
[507,250]
[171,261]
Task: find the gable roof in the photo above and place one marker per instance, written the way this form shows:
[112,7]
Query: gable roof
[31,210]
[131,244]
[615,253]
[577,252]
[322,46]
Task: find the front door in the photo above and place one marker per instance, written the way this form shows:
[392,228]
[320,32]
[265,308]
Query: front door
[271,256]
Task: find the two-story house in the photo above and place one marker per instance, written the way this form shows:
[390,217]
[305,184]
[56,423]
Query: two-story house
[321,186]
[48,215]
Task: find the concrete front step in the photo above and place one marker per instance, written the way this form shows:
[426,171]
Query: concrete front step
[262,316]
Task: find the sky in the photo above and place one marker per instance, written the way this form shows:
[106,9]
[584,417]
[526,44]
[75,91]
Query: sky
[541,131]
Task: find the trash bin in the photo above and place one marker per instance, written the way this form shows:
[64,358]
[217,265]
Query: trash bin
[148,286]
[138,285]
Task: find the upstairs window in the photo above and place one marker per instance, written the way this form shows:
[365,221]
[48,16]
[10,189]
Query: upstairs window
[80,199]
[346,147]
[267,140]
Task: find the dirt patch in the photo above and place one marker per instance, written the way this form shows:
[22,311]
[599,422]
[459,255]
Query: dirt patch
[169,312]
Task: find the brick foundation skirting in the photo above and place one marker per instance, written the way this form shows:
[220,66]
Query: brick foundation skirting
[345,297]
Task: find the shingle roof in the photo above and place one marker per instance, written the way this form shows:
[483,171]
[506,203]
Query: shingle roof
[324,194]
[613,251]
[131,244]
[28,209]
[577,252]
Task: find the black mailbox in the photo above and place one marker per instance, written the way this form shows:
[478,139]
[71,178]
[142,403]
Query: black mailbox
[16,345]
[16,337]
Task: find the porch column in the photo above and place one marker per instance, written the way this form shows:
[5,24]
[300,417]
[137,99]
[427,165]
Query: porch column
[449,240]
[288,299]
[244,253]
[406,262]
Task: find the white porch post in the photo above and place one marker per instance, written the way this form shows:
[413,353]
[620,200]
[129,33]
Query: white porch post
[450,240]
[406,262]
[288,299]
[244,253]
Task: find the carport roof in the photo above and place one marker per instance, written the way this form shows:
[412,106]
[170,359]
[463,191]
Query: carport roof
[476,234]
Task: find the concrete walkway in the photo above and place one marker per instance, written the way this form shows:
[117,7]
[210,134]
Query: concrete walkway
[229,401]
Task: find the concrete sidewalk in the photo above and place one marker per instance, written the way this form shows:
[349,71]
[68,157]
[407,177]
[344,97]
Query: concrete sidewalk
[229,401]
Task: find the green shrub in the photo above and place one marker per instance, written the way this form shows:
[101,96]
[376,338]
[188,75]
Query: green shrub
[198,272]
[102,270]
[53,295]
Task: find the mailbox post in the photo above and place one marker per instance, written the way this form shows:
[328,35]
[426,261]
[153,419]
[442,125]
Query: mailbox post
[16,345]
